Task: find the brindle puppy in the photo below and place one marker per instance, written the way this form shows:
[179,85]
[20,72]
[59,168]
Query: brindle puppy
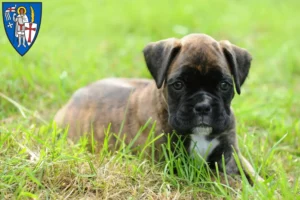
[194,79]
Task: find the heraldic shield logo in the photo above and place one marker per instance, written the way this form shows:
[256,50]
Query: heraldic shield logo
[22,22]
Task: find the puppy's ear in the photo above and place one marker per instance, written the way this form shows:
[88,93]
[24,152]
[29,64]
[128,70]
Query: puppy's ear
[159,55]
[239,61]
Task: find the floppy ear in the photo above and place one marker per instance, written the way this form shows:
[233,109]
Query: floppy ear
[239,61]
[158,56]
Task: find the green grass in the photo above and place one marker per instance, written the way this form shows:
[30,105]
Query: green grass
[83,41]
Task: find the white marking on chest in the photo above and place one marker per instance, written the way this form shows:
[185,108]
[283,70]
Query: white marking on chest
[199,143]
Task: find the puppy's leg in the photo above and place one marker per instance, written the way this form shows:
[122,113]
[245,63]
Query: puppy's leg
[249,170]
[232,168]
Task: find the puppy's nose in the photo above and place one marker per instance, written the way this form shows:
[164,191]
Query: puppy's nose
[203,108]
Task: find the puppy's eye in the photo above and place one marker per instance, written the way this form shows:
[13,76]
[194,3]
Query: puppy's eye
[178,85]
[224,86]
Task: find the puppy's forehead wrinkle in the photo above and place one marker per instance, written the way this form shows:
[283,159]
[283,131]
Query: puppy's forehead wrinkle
[189,73]
[201,52]
[201,56]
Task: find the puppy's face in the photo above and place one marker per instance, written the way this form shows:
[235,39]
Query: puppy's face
[199,100]
[198,81]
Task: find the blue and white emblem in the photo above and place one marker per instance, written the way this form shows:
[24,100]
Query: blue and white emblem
[22,21]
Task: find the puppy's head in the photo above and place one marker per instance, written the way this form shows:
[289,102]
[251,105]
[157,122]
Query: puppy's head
[198,75]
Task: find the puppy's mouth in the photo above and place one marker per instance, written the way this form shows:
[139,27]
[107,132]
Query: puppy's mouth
[203,130]
[192,125]
[203,125]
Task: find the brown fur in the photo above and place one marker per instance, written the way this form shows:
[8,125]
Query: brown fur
[94,107]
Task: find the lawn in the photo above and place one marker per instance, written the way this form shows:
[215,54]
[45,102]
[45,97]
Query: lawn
[83,41]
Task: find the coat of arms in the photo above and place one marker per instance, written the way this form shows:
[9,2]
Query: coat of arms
[22,21]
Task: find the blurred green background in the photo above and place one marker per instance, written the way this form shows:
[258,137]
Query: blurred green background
[83,41]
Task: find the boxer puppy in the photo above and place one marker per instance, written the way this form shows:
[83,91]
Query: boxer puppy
[194,81]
